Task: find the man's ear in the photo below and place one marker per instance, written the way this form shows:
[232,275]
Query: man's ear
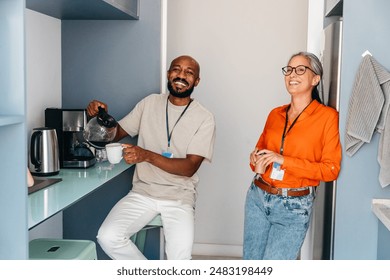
[197,81]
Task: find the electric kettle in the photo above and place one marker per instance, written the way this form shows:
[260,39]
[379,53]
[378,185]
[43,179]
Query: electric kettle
[44,152]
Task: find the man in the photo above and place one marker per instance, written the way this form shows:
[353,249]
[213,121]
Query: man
[175,134]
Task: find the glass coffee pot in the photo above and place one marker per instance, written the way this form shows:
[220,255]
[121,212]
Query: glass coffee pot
[100,130]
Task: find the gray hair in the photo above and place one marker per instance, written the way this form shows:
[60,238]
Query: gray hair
[316,65]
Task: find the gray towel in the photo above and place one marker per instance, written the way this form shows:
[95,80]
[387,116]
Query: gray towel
[367,112]
[384,156]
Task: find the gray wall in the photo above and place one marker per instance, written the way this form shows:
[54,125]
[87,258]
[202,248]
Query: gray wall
[366,27]
[117,62]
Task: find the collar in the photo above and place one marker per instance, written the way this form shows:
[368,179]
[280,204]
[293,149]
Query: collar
[308,111]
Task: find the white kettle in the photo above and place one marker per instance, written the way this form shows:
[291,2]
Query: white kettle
[44,152]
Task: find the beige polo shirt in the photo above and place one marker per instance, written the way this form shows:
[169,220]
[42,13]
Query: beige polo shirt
[193,134]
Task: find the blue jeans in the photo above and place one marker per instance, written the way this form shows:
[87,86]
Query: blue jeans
[275,226]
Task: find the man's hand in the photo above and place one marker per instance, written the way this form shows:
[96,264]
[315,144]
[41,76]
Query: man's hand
[93,107]
[134,154]
[179,166]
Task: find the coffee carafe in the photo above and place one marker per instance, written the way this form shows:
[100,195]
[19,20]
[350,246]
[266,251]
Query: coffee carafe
[44,152]
[100,130]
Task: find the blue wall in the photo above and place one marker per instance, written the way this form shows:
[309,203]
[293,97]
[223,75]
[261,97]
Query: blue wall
[366,27]
[117,62]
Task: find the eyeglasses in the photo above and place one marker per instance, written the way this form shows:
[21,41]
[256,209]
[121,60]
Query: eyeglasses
[299,70]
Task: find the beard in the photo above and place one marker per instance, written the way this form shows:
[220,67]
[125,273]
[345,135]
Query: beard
[175,93]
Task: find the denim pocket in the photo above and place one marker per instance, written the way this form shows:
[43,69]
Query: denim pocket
[301,205]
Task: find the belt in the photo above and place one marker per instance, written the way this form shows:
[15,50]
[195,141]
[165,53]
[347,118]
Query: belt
[280,191]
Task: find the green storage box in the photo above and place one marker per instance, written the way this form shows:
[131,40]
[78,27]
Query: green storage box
[62,249]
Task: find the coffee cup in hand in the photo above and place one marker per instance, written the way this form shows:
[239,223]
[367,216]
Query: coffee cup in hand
[114,152]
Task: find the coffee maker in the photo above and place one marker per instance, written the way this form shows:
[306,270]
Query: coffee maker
[69,125]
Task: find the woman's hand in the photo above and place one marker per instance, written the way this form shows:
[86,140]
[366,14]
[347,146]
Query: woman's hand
[262,158]
[252,157]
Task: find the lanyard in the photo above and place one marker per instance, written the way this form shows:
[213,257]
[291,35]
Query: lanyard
[169,135]
[285,127]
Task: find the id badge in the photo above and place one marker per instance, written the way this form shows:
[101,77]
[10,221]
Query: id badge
[277,173]
[167,154]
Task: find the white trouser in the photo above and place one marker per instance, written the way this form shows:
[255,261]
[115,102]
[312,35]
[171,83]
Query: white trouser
[133,212]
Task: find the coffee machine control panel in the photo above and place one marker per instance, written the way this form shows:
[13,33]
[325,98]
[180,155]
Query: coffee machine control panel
[74,120]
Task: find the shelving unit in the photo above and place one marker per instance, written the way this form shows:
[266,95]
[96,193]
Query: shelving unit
[9,120]
[13,164]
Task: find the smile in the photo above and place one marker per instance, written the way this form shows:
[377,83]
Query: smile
[181,84]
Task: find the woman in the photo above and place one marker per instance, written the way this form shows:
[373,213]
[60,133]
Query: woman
[299,147]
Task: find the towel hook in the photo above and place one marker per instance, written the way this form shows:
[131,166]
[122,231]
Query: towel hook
[366,53]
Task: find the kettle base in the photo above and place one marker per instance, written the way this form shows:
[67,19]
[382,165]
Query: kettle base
[44,174]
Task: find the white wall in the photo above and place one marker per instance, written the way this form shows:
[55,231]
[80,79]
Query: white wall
[315,26]
[241,47]
[43,64]
[43,86]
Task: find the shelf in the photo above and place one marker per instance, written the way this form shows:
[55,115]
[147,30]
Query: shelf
[87,9]
[11,120]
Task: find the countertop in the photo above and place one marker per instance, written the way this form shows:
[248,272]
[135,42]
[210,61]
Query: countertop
[381,208]
[75,184]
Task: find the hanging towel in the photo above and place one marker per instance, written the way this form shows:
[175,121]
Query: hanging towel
[384,155]
[367,112]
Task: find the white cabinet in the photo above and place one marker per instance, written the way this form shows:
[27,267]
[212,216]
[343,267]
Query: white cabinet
[13,150]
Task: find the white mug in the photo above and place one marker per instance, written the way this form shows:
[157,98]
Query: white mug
[114,152]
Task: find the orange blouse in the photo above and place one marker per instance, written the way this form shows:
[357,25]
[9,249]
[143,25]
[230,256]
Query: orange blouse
[312,149]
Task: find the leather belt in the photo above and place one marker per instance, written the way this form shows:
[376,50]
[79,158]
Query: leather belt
[280,191]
